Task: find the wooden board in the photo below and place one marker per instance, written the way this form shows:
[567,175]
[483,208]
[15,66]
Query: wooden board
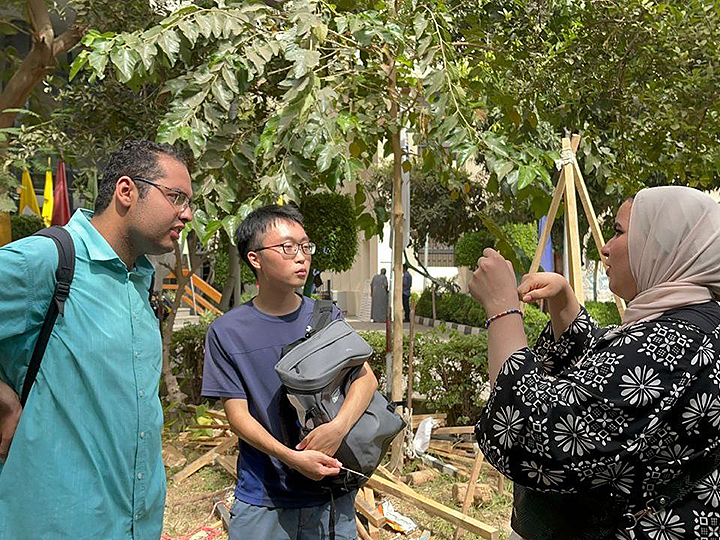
[470,493]
[369,512]
[206,458]
[433,507]
[417,418]
[455,430]
[229,463]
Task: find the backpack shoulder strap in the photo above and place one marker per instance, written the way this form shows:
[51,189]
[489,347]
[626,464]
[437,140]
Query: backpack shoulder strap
[322,312]
[63,278]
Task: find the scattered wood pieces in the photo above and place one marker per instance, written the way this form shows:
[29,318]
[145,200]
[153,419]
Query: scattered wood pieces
[172,456]
[455,430]
[229,463]
[432,507]
[479,458]
[363,534]
[417,418]
[205,459]
[481,497]
[420,477]
[221,511]
[369,512]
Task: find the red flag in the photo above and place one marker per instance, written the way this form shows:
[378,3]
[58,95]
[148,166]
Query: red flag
[61,210]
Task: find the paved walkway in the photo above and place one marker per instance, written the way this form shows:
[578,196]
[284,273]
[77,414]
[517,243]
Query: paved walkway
[365,326]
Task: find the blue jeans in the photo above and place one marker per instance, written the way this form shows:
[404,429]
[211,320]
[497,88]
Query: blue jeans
[249,522]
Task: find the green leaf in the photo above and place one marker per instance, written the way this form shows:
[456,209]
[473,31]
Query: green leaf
[222,95]
[326,156]
[124,60]
[98,61]
[320,31]
[170,44]
[230,224]
[147,52]
[230,79]
[78,63]
[525,176]
[190,31]
[204,23]
[420,24]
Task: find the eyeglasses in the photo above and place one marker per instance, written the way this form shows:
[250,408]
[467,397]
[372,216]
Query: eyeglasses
[177,198]
[292,248]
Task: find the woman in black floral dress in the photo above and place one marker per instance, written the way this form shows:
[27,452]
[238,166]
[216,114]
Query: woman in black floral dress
[613,432]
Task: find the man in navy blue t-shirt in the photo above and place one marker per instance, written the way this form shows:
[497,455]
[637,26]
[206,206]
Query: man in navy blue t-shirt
[278,495]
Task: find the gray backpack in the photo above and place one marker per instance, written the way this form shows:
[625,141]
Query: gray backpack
[316,372]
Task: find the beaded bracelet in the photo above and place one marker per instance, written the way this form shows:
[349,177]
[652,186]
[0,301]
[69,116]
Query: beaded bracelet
[502,314]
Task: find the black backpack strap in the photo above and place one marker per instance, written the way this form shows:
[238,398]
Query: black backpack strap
[322,312]
[63,279]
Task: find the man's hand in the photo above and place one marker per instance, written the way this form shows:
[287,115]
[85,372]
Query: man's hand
[315,465]
[10,411]
[325,438]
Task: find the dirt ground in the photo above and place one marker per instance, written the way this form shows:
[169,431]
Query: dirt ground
[189,509]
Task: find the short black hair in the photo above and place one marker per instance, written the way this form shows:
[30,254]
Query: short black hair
[257,223]
[133,159]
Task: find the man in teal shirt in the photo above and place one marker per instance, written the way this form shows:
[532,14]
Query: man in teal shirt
[85,457]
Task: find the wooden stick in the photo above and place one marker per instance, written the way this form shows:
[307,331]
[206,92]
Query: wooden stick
[411,350]
[594,225]
[369,512]
[572,225]
[470,494]
[229,463]
[362,532]
[434,508]
[206,458]
[456,430]
[369,495]
[552,213]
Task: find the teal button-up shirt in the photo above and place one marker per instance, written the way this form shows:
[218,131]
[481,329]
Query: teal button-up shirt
[85,461]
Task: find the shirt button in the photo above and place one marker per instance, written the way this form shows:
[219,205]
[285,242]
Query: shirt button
[141,393]
[142,434]
[137,516]
[140,476]
[137,354]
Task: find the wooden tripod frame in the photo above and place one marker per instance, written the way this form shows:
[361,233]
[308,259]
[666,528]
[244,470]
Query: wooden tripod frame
[570,179]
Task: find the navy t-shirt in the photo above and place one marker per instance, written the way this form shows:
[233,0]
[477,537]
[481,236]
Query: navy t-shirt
[241,350]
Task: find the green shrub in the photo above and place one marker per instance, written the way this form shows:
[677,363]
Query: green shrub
[470,246]
[187,351]
[450,368]
[524,236]
[605,313]
[22,226]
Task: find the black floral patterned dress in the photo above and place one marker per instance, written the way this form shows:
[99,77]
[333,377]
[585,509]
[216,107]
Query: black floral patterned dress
[615,411]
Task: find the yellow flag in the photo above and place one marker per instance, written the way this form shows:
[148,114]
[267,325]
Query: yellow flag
[48,199]
[28,200]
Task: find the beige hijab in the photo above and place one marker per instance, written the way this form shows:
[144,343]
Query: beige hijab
[674,250]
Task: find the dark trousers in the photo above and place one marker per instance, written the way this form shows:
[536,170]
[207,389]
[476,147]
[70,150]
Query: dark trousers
[406,307]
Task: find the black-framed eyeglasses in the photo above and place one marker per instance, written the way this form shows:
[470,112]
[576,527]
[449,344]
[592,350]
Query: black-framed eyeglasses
[177,198]
[291,248]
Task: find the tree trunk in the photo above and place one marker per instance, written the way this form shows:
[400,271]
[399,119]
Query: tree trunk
[398,236]
[229,287]
[172,387]
[39,61]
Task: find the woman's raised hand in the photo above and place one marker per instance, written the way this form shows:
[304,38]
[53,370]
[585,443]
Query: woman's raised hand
[542,286]
[493,283]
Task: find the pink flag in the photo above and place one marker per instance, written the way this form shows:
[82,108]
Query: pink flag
[61,210]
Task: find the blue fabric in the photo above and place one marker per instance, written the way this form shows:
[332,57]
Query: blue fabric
[546,262]
[85,461]
[406,283]
[311,523]
[241,350]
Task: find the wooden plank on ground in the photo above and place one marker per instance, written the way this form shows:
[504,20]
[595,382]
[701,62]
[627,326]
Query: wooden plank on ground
[206,458]
[455,430]
[417,418]
[362,532]
[433,507]
[369,496]
[470,493]
[229,463]
[369,512]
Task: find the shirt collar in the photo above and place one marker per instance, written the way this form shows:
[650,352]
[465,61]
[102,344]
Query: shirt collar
[98,248]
